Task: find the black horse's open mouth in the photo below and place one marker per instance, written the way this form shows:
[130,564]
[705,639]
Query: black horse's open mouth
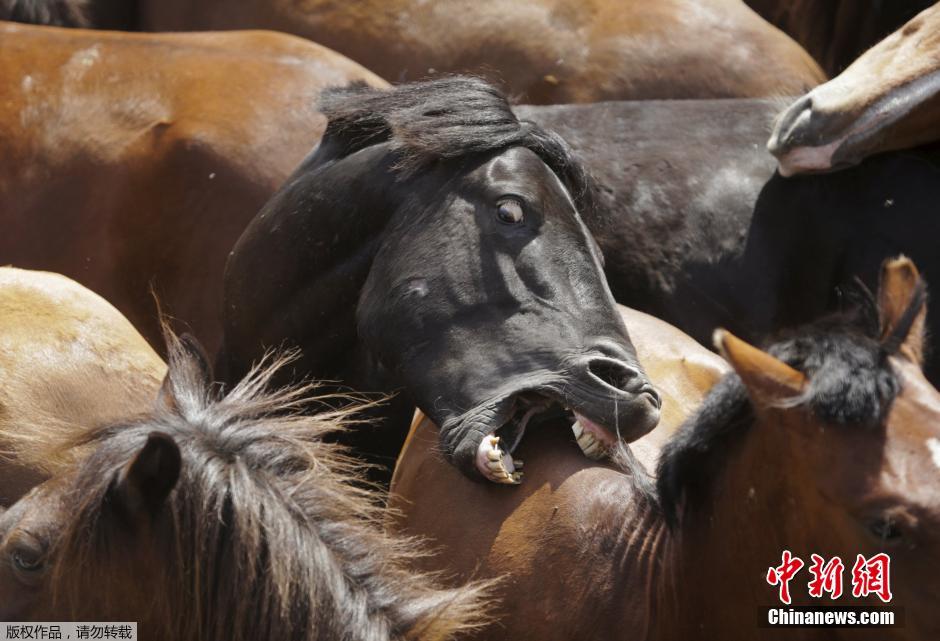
[494,456]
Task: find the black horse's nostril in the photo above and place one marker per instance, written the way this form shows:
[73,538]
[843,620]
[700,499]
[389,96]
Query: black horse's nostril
[614,373]
[622,377]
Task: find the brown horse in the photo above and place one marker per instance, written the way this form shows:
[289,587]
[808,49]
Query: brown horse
[131,160]
[887,99]
[836,32]
[218,517]
[547,51]
[825,444]
[67,359]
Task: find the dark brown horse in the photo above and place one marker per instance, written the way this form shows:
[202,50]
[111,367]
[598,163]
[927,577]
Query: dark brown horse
[131,160]
[547,51]
[827,443]
[836,32]
[887,99]
[217,518]
[68,360]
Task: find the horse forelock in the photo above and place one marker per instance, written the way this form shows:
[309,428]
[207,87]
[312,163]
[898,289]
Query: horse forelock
[267,534]
[446,119]
[851,383]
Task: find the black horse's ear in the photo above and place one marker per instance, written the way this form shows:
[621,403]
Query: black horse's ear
[189,362]
[147,480]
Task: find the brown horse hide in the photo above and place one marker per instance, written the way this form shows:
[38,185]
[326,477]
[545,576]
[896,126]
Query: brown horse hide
[546,51]
[134,161]
[68,361]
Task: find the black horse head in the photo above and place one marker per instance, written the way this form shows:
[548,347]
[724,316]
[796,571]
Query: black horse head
[435,240]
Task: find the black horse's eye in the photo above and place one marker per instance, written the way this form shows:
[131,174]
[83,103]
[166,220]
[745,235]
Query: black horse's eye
[509,211]
[885,529]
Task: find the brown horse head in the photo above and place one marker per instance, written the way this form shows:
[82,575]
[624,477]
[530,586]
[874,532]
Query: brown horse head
[828,443]
[887,99]
[218,518]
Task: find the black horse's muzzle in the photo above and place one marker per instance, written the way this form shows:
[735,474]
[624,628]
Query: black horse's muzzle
[615,394]
[605,392]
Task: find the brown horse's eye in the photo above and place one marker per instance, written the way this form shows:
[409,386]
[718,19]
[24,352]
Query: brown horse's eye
[885,529]
[27,561]
[509,211]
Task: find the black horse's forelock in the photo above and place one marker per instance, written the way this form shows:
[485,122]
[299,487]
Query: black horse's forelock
[446,119]
[851,382]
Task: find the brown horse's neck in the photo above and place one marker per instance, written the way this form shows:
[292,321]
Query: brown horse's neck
[714,562]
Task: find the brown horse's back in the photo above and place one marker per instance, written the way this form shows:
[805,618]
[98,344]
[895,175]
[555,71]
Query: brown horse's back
[542,52]
[552,519]
[129,160]
[68,361]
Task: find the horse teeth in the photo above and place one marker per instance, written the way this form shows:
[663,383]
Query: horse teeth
[518,463]
[591,446]
[493,455]
[586,440]
[577,429]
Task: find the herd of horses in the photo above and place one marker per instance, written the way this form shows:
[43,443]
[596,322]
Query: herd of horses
[314,252]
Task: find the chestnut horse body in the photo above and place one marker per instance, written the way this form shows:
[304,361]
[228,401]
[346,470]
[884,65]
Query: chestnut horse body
[68,361]
[131,161]
[822,445]
[547,51]
[887,99]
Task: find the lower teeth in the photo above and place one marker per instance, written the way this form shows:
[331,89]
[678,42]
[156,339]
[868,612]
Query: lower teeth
[590,445]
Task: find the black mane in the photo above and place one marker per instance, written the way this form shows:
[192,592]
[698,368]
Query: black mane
[851,382]
[445,119]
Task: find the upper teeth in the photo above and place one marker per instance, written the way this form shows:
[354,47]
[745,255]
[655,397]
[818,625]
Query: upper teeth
[592,447]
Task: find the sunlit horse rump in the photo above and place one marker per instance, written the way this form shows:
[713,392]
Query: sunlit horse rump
[68,361]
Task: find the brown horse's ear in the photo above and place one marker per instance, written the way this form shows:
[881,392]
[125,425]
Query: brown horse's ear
[145,483]
[902,308]
[189,364]
[767,379]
